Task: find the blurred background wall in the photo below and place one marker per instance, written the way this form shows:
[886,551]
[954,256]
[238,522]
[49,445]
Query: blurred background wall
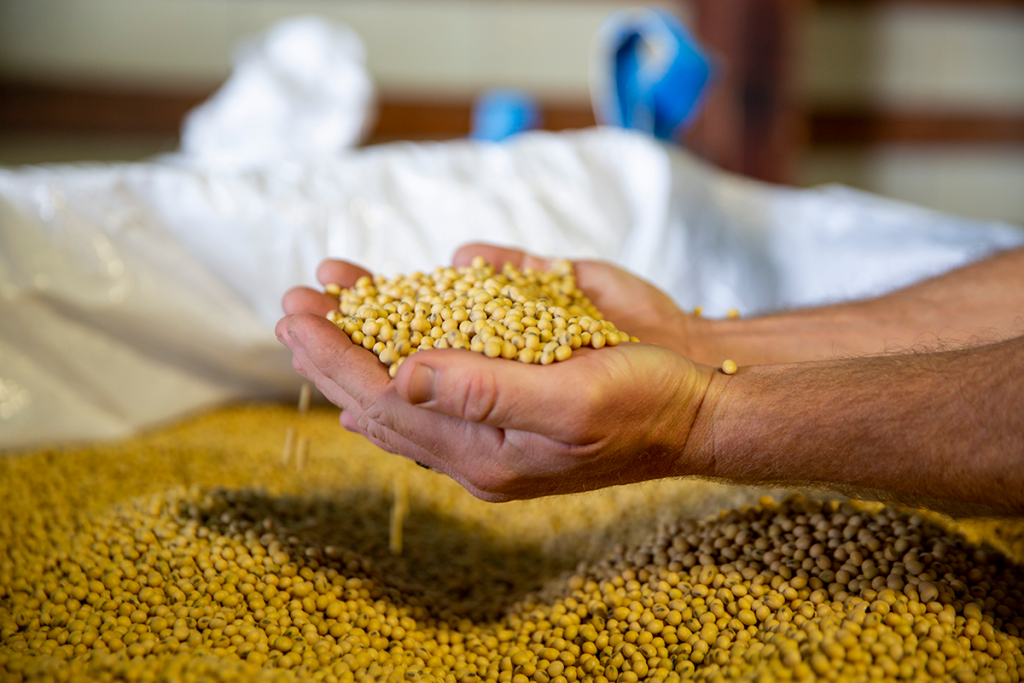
[917,100]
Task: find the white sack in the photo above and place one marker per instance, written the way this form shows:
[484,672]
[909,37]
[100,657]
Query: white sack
[130,294]
[300,89]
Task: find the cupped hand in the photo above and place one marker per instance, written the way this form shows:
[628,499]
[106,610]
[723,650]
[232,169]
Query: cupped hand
[504,429]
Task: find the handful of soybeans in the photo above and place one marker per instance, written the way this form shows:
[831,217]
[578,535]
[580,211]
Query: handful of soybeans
[527,315]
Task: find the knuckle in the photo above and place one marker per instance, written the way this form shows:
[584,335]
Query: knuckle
[480,398]
[374,412]
[491,481]
[382,437]
[371,421]
[370,426]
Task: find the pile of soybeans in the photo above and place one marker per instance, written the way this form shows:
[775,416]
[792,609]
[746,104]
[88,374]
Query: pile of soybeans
[195,554]
[530,316]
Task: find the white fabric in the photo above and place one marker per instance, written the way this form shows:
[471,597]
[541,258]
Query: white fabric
[299,90]
[131,294]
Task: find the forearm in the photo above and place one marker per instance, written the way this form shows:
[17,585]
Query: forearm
[979,303]
[943,428]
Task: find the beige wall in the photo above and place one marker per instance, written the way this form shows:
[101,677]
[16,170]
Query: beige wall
[428,47]
[447,46]
[952,57]
[946,55]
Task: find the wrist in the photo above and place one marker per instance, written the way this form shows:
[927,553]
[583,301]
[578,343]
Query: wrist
[694,446]
[726,440]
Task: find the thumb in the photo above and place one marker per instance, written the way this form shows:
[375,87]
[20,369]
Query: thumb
[555,400]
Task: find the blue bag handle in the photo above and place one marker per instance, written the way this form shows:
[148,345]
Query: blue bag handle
[648,73]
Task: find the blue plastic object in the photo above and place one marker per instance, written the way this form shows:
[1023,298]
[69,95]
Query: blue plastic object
[498,114]
[650,73]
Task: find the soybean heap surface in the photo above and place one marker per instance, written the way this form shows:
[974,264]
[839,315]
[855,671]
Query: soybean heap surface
[193,553]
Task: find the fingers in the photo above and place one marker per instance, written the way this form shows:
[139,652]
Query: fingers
[348,421]
[498,256]
[343,273]
[554,401]
[351,423]
[306,300]
[301,361]
[355,380]
[327,349]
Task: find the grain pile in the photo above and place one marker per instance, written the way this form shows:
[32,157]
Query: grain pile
[530,316]
[191,554]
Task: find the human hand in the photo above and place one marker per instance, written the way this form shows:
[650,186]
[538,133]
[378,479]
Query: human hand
[502,429]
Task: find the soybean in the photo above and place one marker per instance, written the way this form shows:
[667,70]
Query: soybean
[193,555]
[498,314]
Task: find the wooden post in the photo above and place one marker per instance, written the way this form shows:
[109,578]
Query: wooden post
[751,123]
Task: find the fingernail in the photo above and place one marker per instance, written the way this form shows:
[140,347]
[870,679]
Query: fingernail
[422,384]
